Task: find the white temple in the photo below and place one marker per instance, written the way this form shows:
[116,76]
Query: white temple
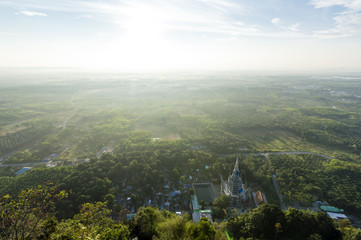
[234,187]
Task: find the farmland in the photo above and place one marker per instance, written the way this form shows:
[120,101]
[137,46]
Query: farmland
[204,119]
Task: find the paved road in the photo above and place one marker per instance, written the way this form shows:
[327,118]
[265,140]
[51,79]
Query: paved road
[26,164]
[287,153]
[73,113]
[22,164]
[274,178]
[275,183]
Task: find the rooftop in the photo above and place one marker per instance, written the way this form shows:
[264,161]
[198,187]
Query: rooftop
[331,209]
[22,170]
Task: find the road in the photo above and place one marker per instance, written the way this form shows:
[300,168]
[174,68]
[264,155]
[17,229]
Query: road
[27,164]
[274,178]
[22,148]
[22,164]
[75,111]
[287,153]
[275,183]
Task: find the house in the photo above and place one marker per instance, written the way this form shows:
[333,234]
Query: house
[22,171]
[337,216]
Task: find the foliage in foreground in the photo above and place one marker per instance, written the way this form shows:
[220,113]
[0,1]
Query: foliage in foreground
[31,215]
[28,215]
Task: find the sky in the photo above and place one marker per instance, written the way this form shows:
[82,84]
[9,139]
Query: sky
[280,35]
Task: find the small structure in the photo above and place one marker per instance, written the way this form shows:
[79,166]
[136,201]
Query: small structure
[234,187]
[259,198]
[337,216]
[198,214]
[195,203]
[130,216]
[22,171]
[331,209]
[176,193]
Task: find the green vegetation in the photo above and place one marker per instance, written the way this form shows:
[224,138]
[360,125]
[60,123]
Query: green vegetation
[31,216]
[249,114]
[269,222]
[28,215]
[93,222]
[126,137]
[221,207]
[310,178]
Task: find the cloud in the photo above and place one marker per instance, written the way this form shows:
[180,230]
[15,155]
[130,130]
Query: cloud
[276,20]
[222,18]
[346,23]
[354,5]
[85,16]
[212,16]
[294,27]
[285,26]
[31,13]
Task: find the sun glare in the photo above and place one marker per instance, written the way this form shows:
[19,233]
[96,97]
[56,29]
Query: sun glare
[144,24]
[143,40]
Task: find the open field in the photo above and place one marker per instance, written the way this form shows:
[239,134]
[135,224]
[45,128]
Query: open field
[284,113]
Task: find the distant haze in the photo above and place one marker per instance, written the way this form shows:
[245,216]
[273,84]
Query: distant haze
[273,35]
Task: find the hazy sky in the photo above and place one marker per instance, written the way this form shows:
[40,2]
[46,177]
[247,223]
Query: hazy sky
[182,34]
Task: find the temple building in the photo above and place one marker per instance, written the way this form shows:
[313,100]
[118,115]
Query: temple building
[234,187]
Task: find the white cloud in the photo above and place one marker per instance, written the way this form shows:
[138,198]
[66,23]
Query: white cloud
[222,18]
[294,27]
[211,16]
[31,13]
[354,5]
[85,16]
[276,20]
[346,23]
[284,25]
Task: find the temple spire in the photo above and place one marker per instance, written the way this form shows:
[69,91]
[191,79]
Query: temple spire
[236,168]
[234,187]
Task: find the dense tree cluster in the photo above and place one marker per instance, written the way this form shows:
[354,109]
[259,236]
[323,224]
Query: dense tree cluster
[308,178]
[31,215]
[177,133]
[269,222]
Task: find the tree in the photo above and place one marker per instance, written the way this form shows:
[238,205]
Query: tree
[259,223]
[173,228]
[93,222]
[220,207]
[25,217]
[264,218]
[299,218]
[110,200]
[144,224]
[202,231]
[326,227]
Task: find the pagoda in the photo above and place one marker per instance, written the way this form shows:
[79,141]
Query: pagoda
[234,187]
